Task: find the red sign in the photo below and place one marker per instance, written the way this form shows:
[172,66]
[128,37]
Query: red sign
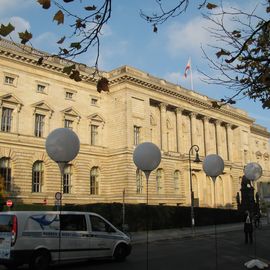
[9,203]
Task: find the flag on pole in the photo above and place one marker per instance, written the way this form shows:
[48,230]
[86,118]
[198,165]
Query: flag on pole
[188,67]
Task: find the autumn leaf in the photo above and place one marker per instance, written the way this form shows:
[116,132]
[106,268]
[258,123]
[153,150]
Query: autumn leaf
[25,36]
[75,75]
[211,6]
[222,52]
[6,30]
[40,61]
[215,105]
[45,3]
[103,85]
[155,29]
[98,17]
[68,69]
[59,17]
[76,45]
[60,41]
[90,8]
[80,24]
[236,33]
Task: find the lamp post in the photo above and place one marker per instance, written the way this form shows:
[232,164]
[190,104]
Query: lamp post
[197,160]
[147,157]
[62,146]
[253,171]
[213,166]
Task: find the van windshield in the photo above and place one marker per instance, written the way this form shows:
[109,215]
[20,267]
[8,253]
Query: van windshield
[6,223]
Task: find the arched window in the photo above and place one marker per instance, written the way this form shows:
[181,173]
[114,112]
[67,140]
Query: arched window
[159,180]
[67,179]
[37,176]
[5,172]
[94,187]
[176,181]
[139,179]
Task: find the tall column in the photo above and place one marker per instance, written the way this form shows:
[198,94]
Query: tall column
[192,129]
[218,139]
[163,127]
[229,138]
[179,131]
[206,137]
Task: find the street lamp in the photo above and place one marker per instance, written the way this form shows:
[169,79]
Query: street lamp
[147,157]
[213,166]
[197,160]
[253,171]
[62,146]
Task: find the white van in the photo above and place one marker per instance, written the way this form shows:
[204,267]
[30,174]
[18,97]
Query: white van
[41,238]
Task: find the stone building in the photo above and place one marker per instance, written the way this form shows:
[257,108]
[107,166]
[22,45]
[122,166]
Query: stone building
[36,99]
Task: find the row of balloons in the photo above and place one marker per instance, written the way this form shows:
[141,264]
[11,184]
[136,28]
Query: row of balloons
[63,145]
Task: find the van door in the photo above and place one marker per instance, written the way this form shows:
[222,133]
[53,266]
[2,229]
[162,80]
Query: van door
[6,225]
[102,237]
[74,240]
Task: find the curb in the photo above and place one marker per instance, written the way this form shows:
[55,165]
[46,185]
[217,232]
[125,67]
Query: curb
[184,233]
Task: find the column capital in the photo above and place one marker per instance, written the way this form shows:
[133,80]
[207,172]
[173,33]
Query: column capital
[163,105]
[179,110]
[192,115]
[228,125]
[205,118]
[217,121]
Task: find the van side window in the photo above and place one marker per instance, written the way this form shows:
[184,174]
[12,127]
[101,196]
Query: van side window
[99,225]
[73,223]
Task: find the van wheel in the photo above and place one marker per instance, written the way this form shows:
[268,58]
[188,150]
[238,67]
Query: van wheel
[40,261]
[120,253]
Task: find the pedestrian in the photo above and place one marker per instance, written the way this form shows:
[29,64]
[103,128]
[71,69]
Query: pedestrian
[257,220]
[248,228]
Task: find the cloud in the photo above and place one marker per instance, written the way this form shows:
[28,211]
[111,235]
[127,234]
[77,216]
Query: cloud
[11,6]
[188,37]
[46,41]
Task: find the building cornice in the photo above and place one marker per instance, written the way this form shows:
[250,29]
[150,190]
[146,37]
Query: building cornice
[260,130]
[126,74]
[133,76]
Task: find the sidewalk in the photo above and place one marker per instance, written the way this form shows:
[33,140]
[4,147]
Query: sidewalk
[140,237]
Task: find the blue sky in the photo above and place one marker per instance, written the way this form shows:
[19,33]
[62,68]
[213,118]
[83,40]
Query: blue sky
[129,40]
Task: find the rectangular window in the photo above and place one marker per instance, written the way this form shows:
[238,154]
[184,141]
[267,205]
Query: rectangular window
[94,134]
[41,88]
[69,95]
[68,124]
[37,176]
[73,222]
[94,101]
[5,172]
[9,80]
[136,135]
[39,125]
[6,119]
[67,180]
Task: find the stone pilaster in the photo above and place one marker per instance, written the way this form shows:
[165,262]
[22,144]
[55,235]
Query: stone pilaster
[163,127]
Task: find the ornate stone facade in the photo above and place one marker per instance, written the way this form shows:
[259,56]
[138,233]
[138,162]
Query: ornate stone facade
[36,99]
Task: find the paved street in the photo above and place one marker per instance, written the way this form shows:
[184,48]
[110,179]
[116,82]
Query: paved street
[197,253]
[188,253]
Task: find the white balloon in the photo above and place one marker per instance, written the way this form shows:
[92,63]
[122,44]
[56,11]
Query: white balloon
[213,165]
[62,145]
[253,171]
[147,156]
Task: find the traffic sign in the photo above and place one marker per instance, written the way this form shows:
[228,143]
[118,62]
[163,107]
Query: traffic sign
[58,196]
[9,203]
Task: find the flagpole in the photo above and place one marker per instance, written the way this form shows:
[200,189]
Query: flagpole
[191,77]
